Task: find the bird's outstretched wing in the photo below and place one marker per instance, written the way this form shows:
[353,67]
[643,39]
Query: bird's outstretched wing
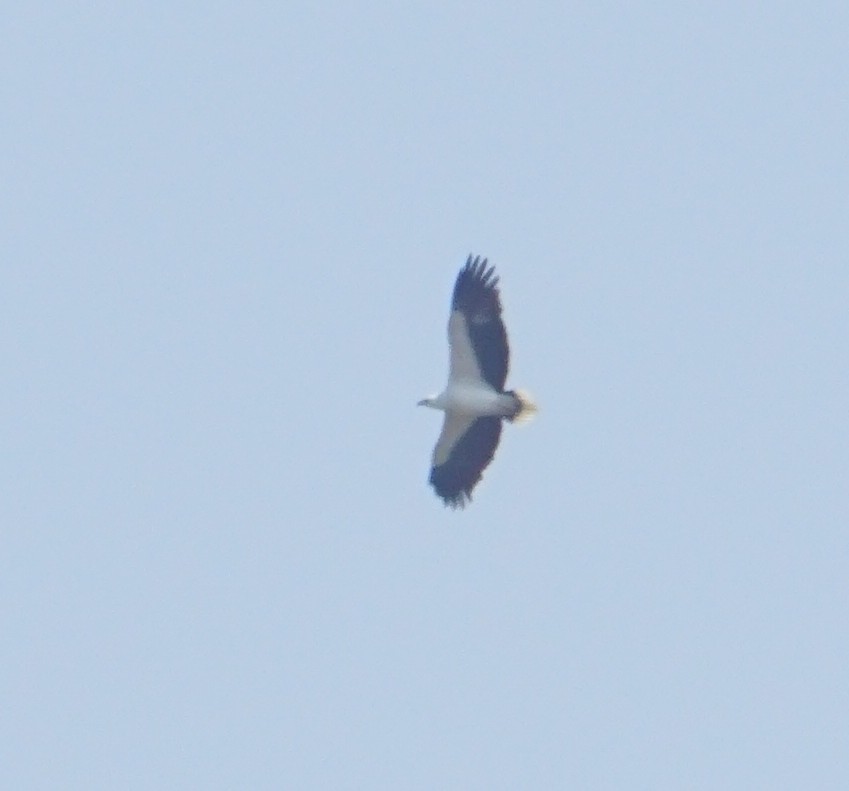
[475,330]
[463,451]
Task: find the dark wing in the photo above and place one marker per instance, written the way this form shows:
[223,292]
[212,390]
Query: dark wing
[476,297]
[464,464]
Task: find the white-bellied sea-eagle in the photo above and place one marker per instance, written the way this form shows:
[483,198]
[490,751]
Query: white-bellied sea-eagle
[474,400]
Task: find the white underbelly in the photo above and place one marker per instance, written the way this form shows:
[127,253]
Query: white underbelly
[476,400]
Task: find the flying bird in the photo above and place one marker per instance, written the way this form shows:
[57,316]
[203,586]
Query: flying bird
[474,400]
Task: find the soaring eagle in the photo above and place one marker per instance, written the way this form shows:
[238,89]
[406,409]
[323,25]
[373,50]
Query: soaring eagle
[474,400]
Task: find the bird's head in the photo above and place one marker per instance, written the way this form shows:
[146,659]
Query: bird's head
[426,401]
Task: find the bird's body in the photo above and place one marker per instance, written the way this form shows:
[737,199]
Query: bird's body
[474,400]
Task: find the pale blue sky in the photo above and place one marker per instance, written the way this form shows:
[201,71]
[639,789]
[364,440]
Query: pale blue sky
[229,237]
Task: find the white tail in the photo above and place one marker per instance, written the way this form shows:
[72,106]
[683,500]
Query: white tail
[526,406]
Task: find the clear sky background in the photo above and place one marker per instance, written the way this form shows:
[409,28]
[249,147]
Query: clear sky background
[229,238]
